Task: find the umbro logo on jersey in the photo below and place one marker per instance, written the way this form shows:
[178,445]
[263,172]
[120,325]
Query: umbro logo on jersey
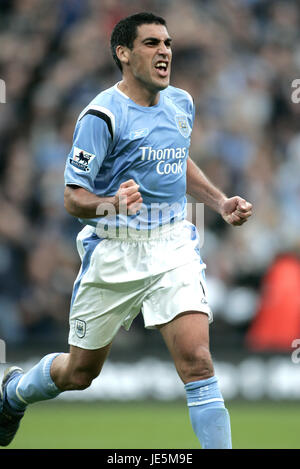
[183,125]
[81,159]
[135,134]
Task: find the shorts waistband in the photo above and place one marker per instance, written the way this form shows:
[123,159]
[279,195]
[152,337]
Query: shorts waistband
[131,234]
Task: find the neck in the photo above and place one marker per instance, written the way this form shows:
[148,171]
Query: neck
[139,94]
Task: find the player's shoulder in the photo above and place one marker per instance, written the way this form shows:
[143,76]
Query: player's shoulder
[106,106]
[180,97]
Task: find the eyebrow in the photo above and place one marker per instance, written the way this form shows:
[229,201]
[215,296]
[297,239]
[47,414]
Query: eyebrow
[155,39]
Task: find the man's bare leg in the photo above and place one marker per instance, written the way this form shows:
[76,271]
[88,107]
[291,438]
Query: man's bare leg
[78,368]
[54,374]
[187,338]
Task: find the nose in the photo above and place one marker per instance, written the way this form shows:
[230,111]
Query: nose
[163,49]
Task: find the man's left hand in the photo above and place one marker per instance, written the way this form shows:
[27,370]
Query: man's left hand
[236,210]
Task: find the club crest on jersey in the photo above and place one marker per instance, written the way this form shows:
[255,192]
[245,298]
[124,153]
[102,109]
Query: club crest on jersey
[80,328]
[183,125]
[81,159]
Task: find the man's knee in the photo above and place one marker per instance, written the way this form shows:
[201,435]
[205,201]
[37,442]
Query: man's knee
[197,364]
[76,378]
[82,379]
[77,369]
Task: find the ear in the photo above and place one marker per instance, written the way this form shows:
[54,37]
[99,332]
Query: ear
[123,54]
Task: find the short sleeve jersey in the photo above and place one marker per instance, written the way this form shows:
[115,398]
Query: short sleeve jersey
[116,139]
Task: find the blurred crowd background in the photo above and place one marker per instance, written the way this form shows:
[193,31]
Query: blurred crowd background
[238,59]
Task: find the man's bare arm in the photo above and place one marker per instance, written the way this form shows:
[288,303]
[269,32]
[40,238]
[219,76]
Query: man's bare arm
[81,203]
[199,187]
[234,210]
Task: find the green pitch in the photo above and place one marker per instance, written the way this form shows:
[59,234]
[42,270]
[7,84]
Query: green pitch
[151,425]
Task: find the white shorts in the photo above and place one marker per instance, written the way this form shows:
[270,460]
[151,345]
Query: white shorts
[159,273]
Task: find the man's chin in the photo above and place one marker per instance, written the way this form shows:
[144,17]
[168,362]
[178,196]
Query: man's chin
[162,84]
[155,85]
[163,87]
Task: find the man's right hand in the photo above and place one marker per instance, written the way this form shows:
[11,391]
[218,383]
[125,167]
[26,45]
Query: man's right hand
[81,203]
[128,198]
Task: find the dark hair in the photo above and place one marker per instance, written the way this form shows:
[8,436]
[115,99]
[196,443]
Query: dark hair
[125,32]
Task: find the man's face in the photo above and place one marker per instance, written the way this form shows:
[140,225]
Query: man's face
[150,57]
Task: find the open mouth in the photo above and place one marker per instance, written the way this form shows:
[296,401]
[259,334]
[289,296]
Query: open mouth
[162,68]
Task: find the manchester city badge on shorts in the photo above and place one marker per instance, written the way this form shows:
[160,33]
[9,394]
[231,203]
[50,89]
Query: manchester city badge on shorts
[80,328]
[81,159]
[183,125]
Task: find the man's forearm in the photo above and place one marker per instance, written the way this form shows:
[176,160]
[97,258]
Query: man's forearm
[201,188]
[83,204]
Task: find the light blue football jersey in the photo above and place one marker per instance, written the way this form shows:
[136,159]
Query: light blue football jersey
[116,139]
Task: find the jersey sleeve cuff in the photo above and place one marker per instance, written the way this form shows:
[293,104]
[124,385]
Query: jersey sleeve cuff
[79,184]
